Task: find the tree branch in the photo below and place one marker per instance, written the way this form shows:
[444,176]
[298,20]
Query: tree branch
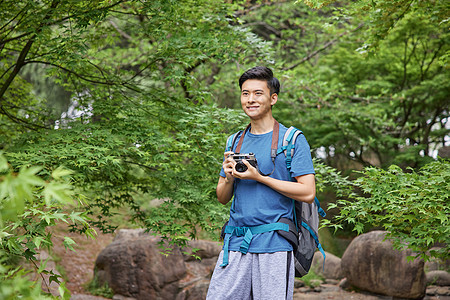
[23,54]
[325,46]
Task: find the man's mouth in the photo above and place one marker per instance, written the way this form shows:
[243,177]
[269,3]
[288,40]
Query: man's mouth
[252,107]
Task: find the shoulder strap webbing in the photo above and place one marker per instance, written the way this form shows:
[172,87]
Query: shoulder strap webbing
[288,145]
[273,148]
[232,140]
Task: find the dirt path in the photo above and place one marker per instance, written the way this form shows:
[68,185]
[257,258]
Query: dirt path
[78,267]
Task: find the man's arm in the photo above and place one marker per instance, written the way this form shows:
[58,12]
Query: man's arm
[224,188]
[303,190]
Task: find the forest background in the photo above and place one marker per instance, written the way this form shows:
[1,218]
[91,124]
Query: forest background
[106,105]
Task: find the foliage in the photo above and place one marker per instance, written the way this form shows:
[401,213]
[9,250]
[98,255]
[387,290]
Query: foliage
[411,206]
[360,106]
[130,96]
[145,126]
[312,279]
[29,207]
[140,125]
[96,289]
[384,15]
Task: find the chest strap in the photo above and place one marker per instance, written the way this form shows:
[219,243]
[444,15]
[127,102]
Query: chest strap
[247,233]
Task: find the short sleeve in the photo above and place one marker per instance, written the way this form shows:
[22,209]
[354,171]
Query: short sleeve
[301,161]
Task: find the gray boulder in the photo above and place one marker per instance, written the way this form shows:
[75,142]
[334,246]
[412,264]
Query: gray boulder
[372,264]
[133,266]
[435,264]
[438,277]
[331,269]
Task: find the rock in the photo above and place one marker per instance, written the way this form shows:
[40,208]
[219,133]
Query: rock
[125,234]
[435,264]
[371,264]
[332,281]
[344,284]
[443,291]
[85,297]
[298,283]
[205,249]
[439,291]
[134,267]
[120,297]
[331,269]
[195,291]
[440,278]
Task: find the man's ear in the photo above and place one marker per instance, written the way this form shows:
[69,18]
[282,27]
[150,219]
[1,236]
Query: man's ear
[273,99]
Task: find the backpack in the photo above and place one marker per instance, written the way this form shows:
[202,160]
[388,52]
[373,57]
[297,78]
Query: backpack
[303,229]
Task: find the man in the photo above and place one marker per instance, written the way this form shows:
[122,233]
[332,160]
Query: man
[263,269]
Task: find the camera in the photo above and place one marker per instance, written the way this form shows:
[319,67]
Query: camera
[240,166]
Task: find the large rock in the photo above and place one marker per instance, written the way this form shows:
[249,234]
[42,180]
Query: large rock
[438,277]
[435,264]
[332,267]
[371,264]
[133,266]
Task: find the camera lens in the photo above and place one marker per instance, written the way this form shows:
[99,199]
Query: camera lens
[240,167]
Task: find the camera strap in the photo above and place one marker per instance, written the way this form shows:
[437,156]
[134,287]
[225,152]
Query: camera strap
[273,148]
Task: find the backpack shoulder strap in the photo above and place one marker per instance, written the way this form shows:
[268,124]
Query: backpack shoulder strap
[232,140]
[288,145]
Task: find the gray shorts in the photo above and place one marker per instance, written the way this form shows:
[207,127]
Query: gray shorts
[253,276]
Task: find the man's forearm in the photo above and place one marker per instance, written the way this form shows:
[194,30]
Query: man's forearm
[303,190]
[224,190]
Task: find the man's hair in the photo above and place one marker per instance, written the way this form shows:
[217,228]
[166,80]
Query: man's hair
[261,73]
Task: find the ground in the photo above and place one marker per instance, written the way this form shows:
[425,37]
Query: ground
[78,267]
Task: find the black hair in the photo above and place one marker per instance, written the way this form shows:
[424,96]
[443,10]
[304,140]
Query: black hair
[261,73]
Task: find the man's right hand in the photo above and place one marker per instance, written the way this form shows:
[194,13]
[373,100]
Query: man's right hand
[228,166]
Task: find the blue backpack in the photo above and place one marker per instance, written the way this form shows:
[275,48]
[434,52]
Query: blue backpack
[302,230]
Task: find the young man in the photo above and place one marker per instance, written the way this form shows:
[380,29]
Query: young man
[263,268]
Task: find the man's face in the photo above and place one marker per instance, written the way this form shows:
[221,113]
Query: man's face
[256,99]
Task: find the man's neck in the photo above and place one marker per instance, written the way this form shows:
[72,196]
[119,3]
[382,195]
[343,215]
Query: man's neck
[262,126]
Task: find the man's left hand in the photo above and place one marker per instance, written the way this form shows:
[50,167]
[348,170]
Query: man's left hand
[250,173]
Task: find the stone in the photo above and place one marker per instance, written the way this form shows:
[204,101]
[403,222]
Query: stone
[195,291]
[443,291]
[298,283]
[332,268]
[440,278]
[85,297]
[344,284]
[120,297]
[371,264]
[435,264]
[205,249]
[133,266]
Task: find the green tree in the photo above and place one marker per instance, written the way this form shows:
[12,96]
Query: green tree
[411,206]
[147,127]
[361,105]
[143,124]
[29,207]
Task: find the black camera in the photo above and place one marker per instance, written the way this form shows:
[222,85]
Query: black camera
[240,166]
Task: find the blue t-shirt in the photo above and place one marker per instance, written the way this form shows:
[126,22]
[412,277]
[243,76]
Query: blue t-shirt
[255,203]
